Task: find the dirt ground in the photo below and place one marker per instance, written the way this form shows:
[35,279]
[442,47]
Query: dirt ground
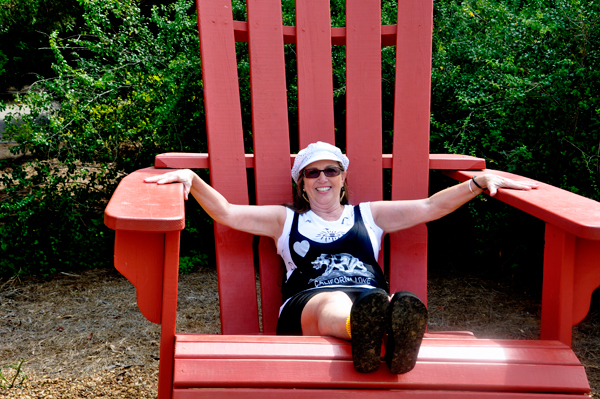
[82,336]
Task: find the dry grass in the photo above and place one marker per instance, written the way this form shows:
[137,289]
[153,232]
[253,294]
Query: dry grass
[85,331]
[488,309]
[76,325]
[83,336]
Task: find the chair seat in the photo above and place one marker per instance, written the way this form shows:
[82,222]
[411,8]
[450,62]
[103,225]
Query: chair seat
[447,364]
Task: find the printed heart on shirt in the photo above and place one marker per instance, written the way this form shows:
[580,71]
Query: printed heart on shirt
[301,248]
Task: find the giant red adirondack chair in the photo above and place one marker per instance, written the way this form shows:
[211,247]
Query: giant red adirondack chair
[243,362]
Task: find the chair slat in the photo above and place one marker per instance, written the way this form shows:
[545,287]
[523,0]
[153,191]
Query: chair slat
[338,35]
[315,80]
[271,138]
[274,393]
[273,373]
[235,260]
[412,112]
[436,161]
[363,99]
[459,339]
[269,103]
[455,351]
[410,174]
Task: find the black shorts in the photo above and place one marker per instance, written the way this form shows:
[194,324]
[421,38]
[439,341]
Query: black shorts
[289,322]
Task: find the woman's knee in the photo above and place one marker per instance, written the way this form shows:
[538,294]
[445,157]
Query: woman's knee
[325,314]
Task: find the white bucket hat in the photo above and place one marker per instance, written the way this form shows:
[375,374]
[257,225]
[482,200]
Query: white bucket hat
[317,152]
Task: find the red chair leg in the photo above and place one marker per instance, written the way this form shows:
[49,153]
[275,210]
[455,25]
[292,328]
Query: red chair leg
[169,316]
[557,294]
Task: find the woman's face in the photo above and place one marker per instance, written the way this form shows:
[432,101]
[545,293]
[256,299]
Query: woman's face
[324,191]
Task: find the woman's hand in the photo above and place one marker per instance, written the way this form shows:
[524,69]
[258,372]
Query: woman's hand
[494,182]
[184,176]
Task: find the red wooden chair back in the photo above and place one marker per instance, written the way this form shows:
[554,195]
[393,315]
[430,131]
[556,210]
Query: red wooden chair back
[271,147]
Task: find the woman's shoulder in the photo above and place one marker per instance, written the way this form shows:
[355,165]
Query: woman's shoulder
[365,208]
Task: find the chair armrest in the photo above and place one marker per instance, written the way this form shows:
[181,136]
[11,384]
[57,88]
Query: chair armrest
[573,213]
[147,218]
[149,207]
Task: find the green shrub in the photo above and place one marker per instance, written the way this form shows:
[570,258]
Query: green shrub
[24,29]
[517,83]
[3,62]
[126,88]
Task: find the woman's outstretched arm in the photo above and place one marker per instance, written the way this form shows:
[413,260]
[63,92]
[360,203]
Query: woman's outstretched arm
[398,215]
[260,220]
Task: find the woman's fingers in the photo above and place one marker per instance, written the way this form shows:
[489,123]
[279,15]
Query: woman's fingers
[496,182]
[173,177]
[162,179]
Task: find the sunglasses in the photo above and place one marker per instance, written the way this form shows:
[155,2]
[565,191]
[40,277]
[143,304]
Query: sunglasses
[314,173]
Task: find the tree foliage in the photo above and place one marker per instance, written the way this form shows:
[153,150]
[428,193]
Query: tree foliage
[126,87]
[24,29]
[518,83]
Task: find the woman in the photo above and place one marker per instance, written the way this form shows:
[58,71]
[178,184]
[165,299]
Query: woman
[334,285]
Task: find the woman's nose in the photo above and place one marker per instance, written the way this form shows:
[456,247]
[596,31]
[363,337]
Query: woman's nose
[322,176]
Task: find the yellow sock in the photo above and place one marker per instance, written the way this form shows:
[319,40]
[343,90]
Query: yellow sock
[348,327]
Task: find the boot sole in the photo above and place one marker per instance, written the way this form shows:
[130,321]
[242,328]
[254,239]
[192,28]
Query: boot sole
[407,321]
[367,324]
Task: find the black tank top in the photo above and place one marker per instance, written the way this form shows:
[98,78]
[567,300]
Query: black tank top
[347,261]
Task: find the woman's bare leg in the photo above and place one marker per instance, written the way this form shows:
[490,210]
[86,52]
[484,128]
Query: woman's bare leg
[326,314]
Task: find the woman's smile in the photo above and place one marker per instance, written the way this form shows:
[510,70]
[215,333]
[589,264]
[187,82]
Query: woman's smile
[324,192]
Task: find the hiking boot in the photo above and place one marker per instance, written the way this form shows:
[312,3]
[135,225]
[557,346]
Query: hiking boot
[407,321]
[367,325]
